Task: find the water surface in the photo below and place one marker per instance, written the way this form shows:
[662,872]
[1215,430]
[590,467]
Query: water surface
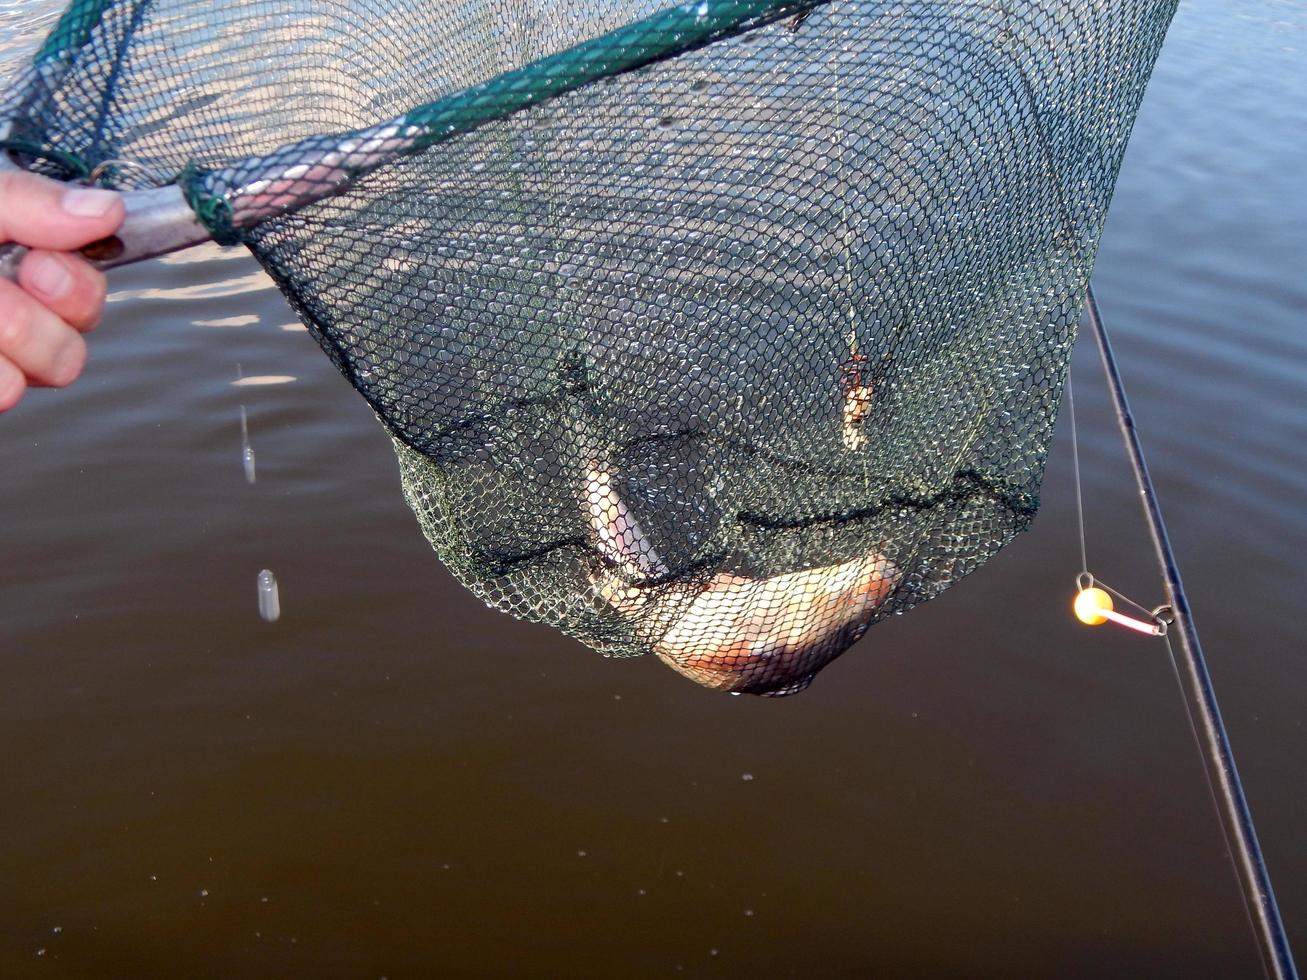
[391,780]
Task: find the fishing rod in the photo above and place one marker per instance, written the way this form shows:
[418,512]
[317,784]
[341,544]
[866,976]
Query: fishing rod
[1199,695]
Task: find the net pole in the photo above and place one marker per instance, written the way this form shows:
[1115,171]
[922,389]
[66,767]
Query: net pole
[1196,684]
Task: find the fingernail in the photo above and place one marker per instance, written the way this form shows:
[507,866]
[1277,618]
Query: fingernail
[88,202]
[50,276]
[11,388]
[69,362]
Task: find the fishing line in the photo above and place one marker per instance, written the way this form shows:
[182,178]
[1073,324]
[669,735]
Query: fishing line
[1093,603]
[1075,462]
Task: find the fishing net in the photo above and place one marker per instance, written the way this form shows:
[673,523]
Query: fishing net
[717,331]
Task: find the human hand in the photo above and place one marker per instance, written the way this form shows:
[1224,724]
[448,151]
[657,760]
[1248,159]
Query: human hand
[58,296]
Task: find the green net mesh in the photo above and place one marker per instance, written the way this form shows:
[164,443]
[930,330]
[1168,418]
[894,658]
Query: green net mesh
[720,337]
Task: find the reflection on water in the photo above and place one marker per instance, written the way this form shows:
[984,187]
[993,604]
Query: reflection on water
[229,321]
[395,781]
[263,380]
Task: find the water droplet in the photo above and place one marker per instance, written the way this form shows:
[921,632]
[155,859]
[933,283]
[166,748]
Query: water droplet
[747,777]
[580,854]
[247,451]
[204,893]
[269,596]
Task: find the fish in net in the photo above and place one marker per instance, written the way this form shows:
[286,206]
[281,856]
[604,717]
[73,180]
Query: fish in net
[717,331]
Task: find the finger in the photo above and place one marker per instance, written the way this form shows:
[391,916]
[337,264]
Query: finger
[12,385]
[68,286]
[47,350]
[43,213]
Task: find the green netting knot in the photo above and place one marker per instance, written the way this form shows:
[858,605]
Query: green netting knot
[213,210]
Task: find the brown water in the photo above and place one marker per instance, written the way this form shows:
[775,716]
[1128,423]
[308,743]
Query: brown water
[393,781]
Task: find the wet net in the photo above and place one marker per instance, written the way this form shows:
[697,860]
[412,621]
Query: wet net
[716,331]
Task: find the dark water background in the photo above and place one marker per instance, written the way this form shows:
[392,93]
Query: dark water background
[393,781]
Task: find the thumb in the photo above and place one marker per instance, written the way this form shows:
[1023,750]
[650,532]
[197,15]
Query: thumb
[42,213]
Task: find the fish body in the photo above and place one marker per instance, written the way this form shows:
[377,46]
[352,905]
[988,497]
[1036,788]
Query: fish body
[772,635]
[737,633]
